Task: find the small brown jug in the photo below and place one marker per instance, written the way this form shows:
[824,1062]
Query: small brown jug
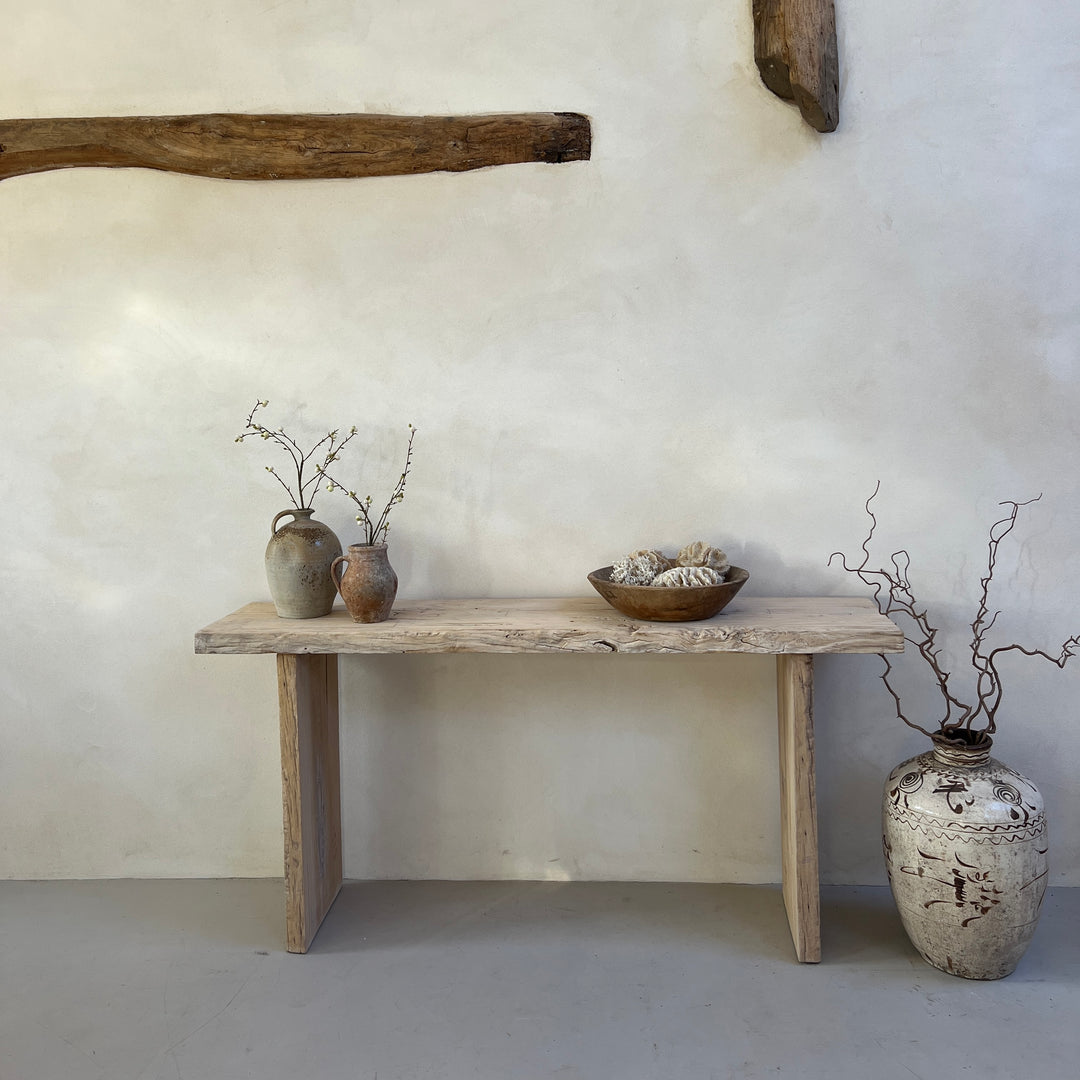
[366,581]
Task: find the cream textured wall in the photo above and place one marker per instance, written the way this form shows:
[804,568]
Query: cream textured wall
[724,326]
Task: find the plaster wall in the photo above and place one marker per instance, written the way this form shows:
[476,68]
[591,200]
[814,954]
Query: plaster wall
[724,326]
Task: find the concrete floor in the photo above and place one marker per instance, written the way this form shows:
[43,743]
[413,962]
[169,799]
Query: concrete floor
[186,980]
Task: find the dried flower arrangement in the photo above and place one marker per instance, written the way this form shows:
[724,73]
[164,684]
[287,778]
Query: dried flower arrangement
[968,722]
[330,444]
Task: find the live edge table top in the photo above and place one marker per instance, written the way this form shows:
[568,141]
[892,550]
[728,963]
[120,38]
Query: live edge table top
[587,624]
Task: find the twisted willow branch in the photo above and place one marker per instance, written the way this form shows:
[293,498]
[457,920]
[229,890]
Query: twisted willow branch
[893,595]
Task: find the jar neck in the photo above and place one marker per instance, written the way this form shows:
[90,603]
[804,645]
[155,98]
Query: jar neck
[962,754]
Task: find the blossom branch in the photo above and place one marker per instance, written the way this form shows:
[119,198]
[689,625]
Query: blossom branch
[374,532]
[305,489]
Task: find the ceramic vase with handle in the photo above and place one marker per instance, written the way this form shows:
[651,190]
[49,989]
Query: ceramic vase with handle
[965,849]
[366,581]
[298,560]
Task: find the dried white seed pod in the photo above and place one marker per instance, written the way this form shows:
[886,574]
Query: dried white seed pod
[701,554]
[689,575]
[639,567]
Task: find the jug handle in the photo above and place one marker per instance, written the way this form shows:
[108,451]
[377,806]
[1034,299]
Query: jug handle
[277,518]
[334,575]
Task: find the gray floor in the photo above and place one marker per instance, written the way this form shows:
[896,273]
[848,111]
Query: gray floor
[189,979]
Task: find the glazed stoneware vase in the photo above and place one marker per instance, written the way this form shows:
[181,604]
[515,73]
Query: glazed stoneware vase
[298,560]
[366,581]
[965,849]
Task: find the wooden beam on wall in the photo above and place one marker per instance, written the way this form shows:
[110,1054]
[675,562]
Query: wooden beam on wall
[237,146]
[796,54]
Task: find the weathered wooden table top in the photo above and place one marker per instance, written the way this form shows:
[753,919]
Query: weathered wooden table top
[587,624]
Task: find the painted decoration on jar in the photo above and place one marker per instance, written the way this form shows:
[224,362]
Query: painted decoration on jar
[965,842]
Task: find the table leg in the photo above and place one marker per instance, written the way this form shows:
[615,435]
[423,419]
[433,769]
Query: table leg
[311,791]
[798,803]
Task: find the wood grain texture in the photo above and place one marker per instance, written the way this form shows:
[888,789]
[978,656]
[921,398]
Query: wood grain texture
[311,792]
[796,53]
[798,803]
[770,47]
[577,624]
[237,146]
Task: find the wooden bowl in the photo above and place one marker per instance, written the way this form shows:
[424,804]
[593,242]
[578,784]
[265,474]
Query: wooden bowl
[669,603]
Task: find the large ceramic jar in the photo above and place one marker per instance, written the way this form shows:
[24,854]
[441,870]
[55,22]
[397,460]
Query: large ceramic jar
[965,848]
[298,561]
[366,581]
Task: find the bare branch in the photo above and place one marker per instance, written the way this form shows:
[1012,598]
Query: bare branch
[1069,649]
[896,696]
[893,596]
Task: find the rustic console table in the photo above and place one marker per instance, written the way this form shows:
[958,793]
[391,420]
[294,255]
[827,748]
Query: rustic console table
[307,650]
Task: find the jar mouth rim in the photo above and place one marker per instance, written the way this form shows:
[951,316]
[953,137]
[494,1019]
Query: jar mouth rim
[970,749]
[963,741]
